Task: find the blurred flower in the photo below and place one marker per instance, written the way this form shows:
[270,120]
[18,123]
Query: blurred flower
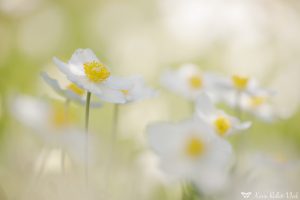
[136,89]
[190,151]
[188,81]
[71,92]
[222,123]
[237,83]
[51,123]
[258,104]
[85,69]
[246,94]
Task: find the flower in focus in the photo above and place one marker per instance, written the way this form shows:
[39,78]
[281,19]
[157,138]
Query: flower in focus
[135,89]
[188,81]
[222,123]
[259,104]
[71,92]
[51,123]
[190,151]
[85,70]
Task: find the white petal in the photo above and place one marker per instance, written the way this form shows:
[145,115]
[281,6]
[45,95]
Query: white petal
[243,126]
[204,106]
[81,56]
[211,181]
[53,83]
[164,138]
[31,112]
[220,154]
[118,83]
[111,95]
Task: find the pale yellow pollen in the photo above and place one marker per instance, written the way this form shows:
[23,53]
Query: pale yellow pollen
[59,117]
[195,82]
[96,71]
[222,125]
[195,147]
[125,92]
[257,101]
[240,82]
[74,88]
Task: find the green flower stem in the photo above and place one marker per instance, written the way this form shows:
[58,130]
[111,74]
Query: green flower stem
[189,191]
[63,152]
[238,109]
[87,116]
[115,122]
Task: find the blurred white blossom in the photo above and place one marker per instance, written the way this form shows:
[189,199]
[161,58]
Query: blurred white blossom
[71,92]
[222,123]
[187,81]
[191,151]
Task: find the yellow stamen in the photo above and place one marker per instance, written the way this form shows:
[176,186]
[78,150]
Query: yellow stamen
[195,82]
[96,71]
[125,92]
[74,88]
[222,125]
[240,82]
[257,101]
[195,147]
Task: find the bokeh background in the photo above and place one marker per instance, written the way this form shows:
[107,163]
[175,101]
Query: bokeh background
[255,37]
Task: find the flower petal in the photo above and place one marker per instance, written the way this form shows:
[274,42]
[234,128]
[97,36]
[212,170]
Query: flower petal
[53,83]
[81,56]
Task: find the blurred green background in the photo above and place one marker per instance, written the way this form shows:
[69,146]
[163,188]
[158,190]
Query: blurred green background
[255,37]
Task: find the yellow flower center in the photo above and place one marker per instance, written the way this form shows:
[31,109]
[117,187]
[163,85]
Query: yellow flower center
[195,147]
[96,71]
[222,125]
[257,101]
[125,92]
[240,82]
[74,88]
[59,117]
[195,82]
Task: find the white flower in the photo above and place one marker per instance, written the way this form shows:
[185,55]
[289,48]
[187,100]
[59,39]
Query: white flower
[188,81]
[238,83]
[222,123]
[258,104]
[85,69]
[244,93]
[190,151]
[50,123]
[71,92]
[136,89]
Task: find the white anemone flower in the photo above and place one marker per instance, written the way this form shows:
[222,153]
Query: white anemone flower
[50,123]
[88,72]
[187,81]
[135,89]
[237,83]
[71,92]
[191,151]
[222,123]
[259,104]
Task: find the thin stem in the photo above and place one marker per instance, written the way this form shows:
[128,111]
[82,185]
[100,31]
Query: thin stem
[63,153]
[238,104]
[87,116]
[115,122]
[188,191]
